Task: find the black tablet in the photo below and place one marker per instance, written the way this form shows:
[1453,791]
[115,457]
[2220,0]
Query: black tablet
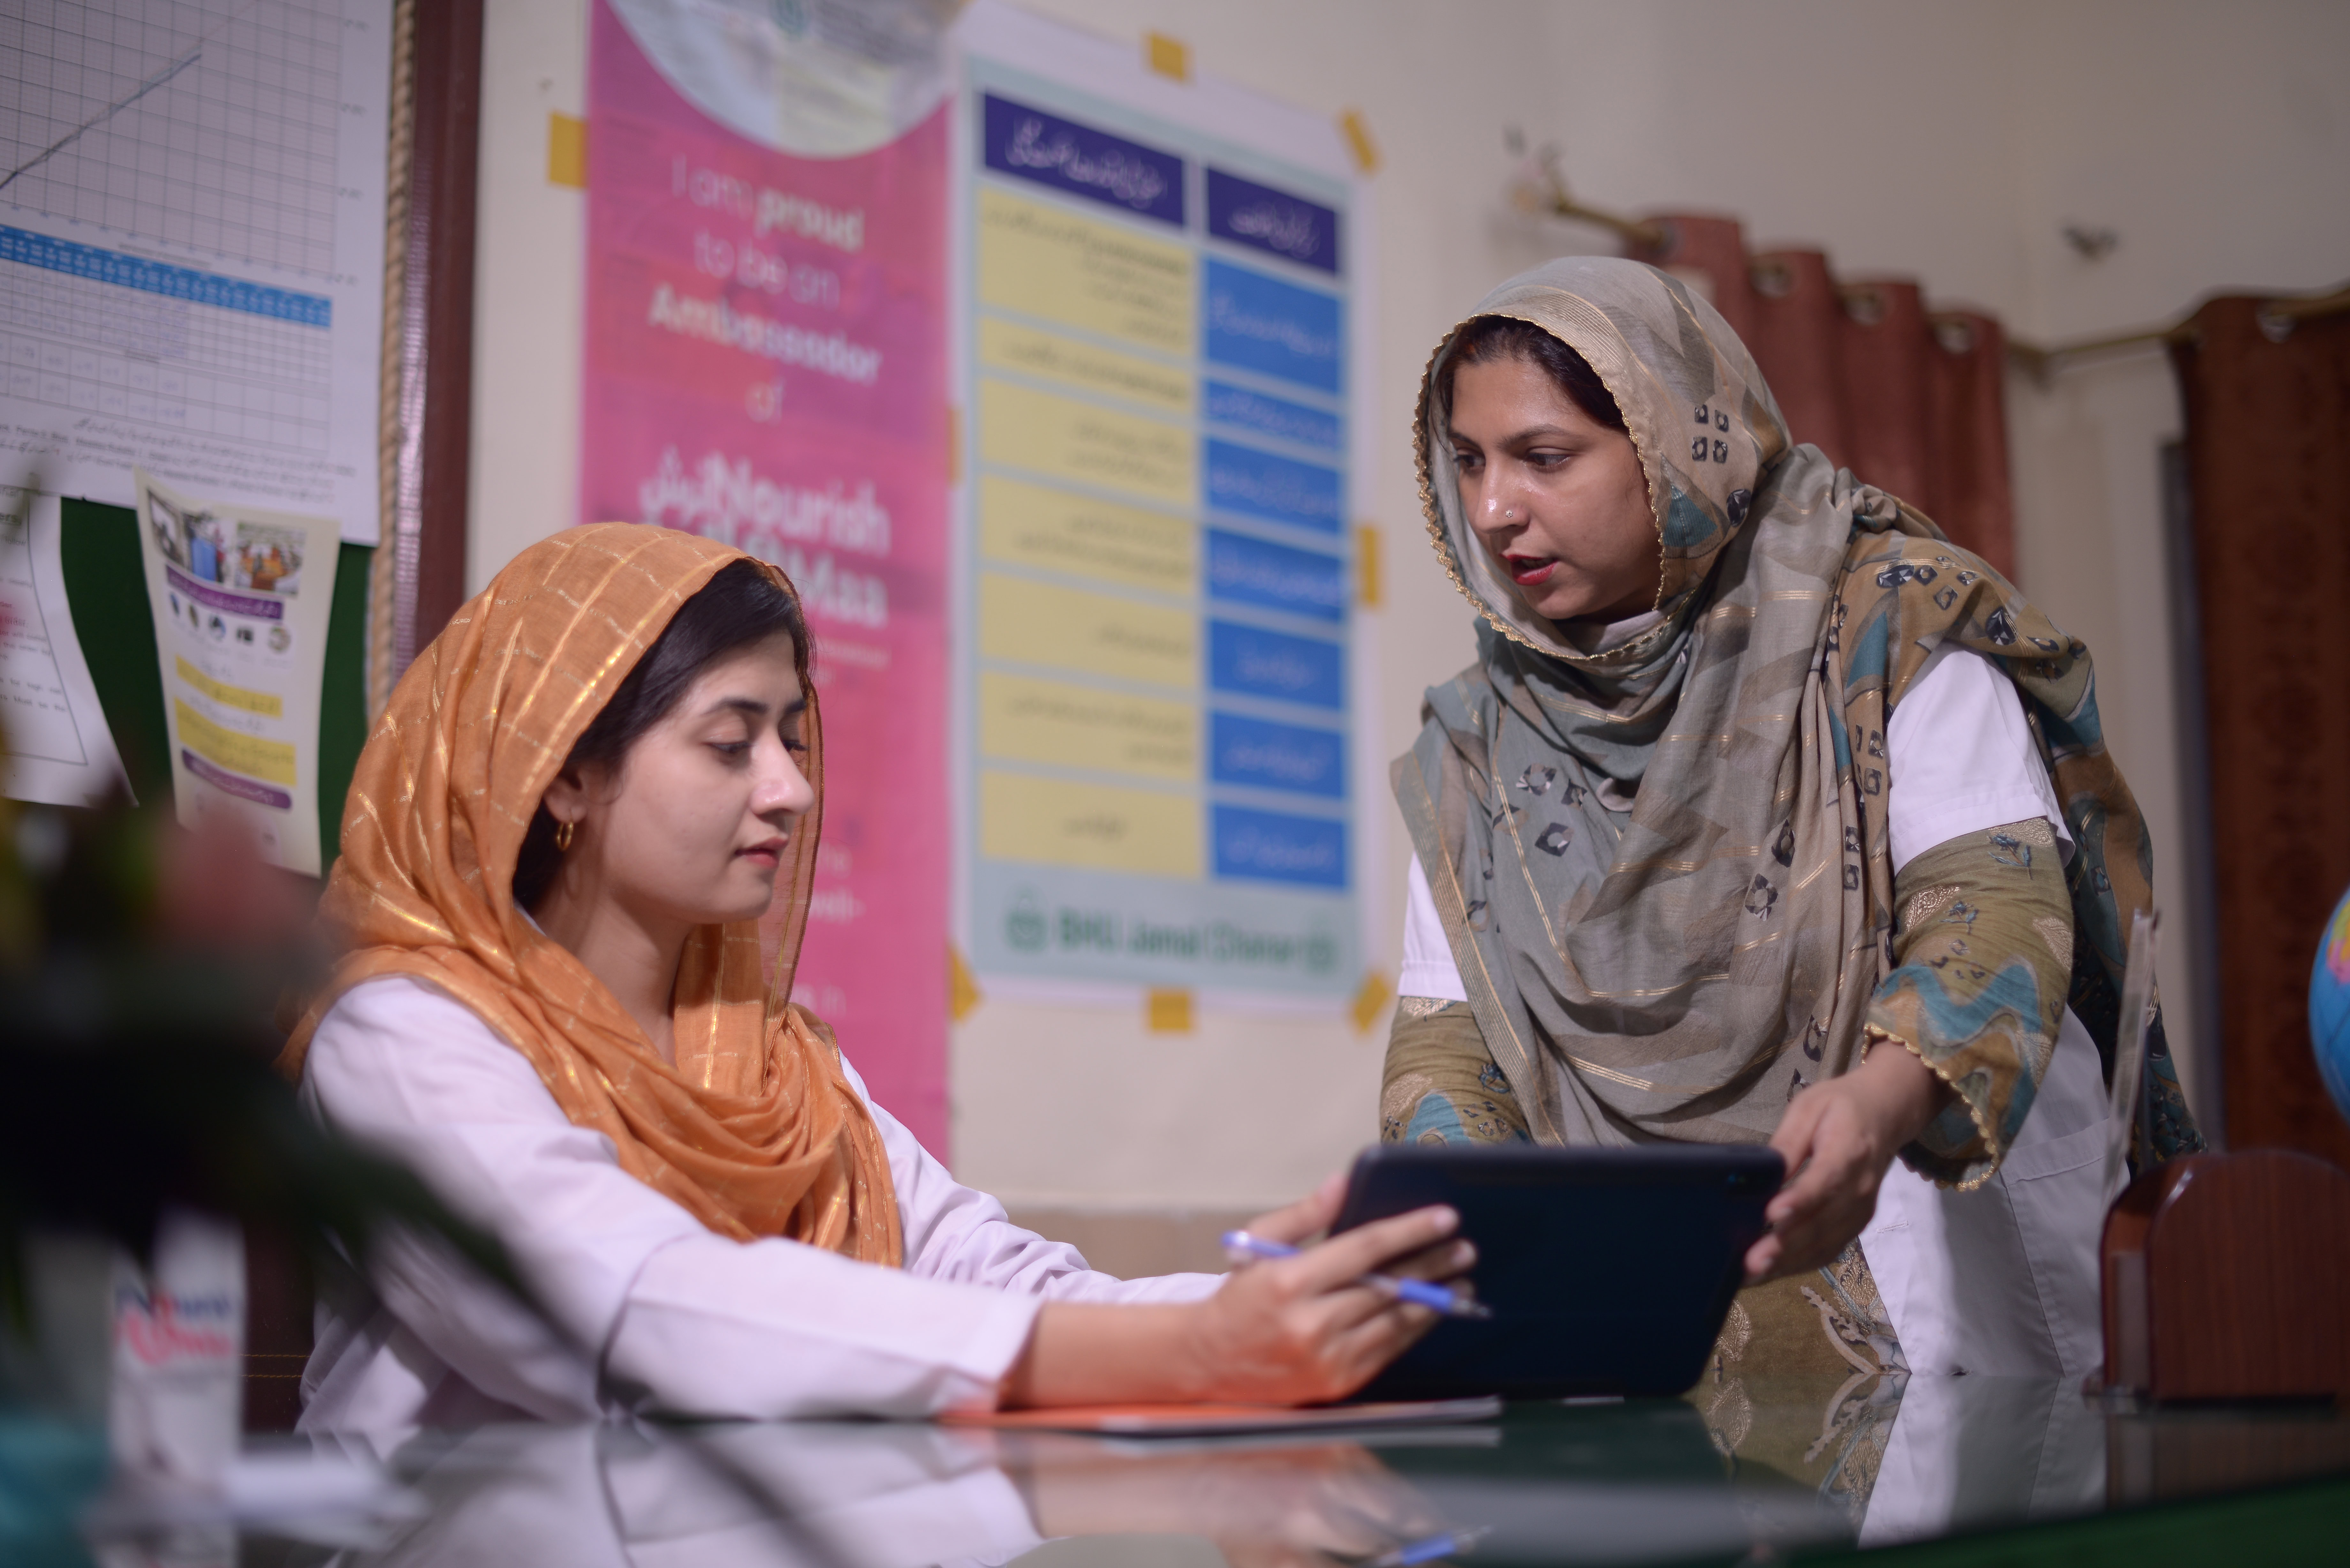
[1608,1270]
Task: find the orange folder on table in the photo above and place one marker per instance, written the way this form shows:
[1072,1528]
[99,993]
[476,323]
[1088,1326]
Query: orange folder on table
[1211,1420]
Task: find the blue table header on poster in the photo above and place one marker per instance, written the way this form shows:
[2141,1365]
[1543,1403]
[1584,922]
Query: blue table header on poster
[1291,227]
[1031,144]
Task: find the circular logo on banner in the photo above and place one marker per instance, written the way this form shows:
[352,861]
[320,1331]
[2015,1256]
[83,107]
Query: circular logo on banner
[1024,924]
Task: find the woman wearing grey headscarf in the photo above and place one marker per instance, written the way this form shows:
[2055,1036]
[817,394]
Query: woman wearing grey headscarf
[1764,815]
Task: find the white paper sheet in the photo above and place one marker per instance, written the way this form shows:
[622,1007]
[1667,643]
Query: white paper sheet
[59,751]
[192,211]
[241,599]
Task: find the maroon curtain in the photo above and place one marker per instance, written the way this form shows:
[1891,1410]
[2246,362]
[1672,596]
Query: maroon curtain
[1910,400]
[2268,426]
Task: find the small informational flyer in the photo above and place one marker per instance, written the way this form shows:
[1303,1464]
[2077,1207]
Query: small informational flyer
[241,599]
[54,746]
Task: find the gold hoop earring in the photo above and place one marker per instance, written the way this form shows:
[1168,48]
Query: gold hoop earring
[563,834]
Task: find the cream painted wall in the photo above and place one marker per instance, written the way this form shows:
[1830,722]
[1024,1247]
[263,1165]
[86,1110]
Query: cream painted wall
[1949,141]
[530,279]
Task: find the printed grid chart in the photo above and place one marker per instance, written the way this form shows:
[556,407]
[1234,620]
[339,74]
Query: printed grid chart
[206,123]
[100,332]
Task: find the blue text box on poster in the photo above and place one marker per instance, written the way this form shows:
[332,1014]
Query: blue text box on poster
[1277,488]
[1275,222]
[1255,663]
[1224,404]
[1274,846]
[1264,755]
[1275,328]
[1245,570]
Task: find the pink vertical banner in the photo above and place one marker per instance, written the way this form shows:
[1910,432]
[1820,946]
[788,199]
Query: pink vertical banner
[766,365]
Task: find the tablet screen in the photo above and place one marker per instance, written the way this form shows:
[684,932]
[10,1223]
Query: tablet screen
[1608,1270]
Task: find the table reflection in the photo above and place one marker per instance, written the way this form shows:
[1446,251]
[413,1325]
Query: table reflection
[1899,1458]
[1725,1474]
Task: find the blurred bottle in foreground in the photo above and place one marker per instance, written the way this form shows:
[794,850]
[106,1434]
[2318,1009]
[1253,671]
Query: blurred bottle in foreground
[145,974]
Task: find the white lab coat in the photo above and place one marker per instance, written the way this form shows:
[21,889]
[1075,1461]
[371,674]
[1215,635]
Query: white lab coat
[654,1313]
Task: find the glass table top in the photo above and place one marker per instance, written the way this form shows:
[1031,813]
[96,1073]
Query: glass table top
[1740,1472]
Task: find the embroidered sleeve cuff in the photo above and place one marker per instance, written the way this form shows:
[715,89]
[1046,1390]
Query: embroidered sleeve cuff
[1959,1147]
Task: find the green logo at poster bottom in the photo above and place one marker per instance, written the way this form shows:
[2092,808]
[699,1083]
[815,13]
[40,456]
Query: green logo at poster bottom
[1024,924]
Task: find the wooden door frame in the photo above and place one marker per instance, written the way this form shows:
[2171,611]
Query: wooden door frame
[428,381]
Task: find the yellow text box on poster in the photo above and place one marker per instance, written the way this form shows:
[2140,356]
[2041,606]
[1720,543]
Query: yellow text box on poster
[1050,821]
[267,703]
[1063,438]
[1007,346]
[1069,628]
[1028,721]
[1091,275]
[271,762]
[1061,531]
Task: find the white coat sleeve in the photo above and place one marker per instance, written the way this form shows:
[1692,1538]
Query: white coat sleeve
[1428,967]
[1961,758]
[660,1313]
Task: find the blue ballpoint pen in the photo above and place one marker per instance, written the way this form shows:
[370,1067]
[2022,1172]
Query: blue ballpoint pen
[1451,1543]
[1243,1248]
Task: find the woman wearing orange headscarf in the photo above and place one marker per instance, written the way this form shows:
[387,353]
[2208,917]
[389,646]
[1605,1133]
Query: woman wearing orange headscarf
[558,846]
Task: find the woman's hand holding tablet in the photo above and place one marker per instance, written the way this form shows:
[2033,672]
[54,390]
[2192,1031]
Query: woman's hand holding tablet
[1838,1137]
[1287,1331]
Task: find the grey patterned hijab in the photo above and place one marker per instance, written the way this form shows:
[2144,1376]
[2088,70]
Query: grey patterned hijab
[1677,969]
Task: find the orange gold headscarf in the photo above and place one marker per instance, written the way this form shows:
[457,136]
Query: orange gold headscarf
[755,1131]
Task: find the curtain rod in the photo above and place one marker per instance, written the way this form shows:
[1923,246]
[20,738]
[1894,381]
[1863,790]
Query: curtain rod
[2276,318]
[1540,190]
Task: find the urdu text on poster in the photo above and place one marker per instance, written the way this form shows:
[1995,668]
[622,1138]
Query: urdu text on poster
[1163,730]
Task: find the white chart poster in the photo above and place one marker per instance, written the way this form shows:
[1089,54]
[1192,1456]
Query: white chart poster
[58,748]
[191,211]
[1161,716]
[241,598]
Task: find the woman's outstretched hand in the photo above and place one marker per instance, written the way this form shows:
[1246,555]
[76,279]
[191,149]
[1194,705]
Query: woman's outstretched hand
[1290,1330]
[1838,1137]
[1297,1331]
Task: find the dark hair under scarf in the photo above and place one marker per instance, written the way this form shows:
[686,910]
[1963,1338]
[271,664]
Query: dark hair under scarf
[1484,340]
[740,605]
